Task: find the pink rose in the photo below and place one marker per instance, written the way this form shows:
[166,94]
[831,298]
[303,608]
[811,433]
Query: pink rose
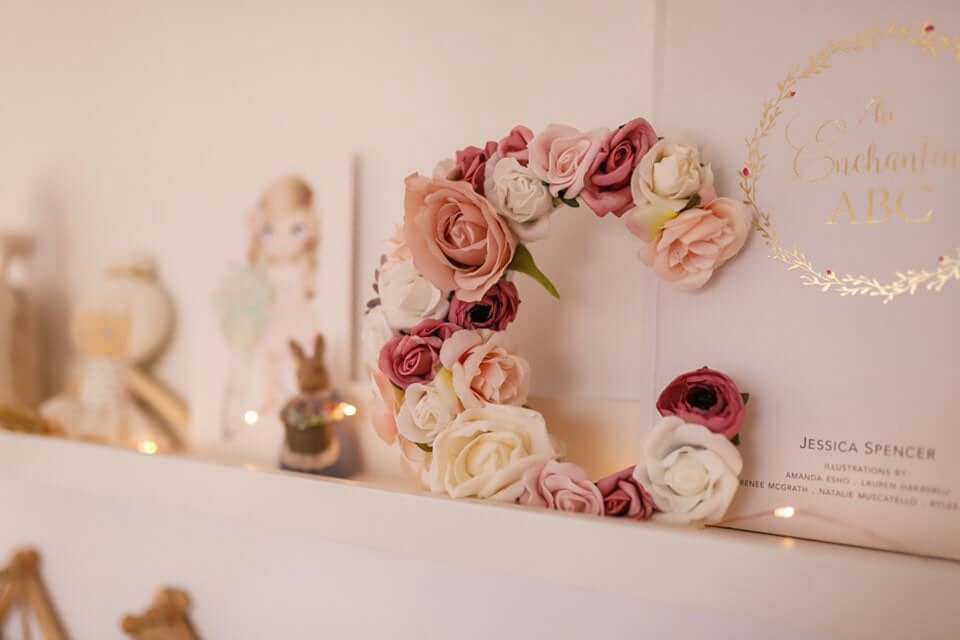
[470,163]
[562,486]
[416,461]
[624,497]
[485,370]
[384,407]
[692,245]
[705,397]
[607,187]
[409,359]
[495,310]
[434,329]
[455,236]
[515,144]
[561,156]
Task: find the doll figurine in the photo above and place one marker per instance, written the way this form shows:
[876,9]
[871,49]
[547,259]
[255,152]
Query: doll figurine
[308,417]
[115,329]
[268,302]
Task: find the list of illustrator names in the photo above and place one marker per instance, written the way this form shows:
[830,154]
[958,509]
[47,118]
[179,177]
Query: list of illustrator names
[863,482]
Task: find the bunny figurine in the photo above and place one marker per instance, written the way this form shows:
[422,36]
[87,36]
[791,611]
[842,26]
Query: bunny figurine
[310,444]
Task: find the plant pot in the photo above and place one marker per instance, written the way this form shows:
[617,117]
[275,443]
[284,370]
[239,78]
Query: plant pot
[309,441]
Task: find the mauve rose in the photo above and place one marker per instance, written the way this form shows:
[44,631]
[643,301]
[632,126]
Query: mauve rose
[495,310]
[705,397]
[470,163]
[515,143]
[456,238]
[607,187]
[563,486]
[409,359]
[435,329]
[624,497]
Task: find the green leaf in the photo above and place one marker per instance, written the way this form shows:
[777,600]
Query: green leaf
[425,447]
[746,397]
[524,263]
[692,203]
[573,204]
[736,440]
[556,201]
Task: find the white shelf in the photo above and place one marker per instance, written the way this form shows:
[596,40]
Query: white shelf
[829,590]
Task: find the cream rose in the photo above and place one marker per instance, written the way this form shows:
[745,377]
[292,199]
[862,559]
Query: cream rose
[690,472]
[484,368]
[520,197]
[407,297]
[561,156]
[486,451]
[670,171]
[375,332]
[686,249]
[428,409]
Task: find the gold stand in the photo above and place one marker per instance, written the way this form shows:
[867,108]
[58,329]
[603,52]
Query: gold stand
[22,589]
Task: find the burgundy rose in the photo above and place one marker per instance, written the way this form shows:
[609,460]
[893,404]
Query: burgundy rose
[435,329]
[409,359]
[705,397]
[470,165]
[514,144]
[495,310]
[607,187]
[624,497]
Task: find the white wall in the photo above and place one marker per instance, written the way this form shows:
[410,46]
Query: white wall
[107,106]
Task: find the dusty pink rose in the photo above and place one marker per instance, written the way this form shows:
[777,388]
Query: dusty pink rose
[705,397]
[607,188]
[383,409]
[416,461]
[561,156]
[469,164]
[515,143]
[434,329]
[692,245]
[457,240]
[563,486]
[495,310]
[409,359]
[624,497]
[485,369]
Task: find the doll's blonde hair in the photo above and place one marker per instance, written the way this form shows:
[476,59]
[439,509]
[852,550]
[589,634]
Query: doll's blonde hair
[284,196]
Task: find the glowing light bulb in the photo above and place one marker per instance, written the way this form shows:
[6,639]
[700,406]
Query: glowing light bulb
[250,417]
[349,409]
[148,447]
[784,512]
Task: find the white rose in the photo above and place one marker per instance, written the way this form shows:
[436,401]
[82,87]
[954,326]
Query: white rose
[520,197]
[485,452]
[428,409]
[691,473]
[375,332]
[407,297]
[670,171]
[485,369]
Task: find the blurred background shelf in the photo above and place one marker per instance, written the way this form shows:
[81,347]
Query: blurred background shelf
[264,550]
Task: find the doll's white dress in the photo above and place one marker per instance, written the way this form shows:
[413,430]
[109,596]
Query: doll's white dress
[100,407]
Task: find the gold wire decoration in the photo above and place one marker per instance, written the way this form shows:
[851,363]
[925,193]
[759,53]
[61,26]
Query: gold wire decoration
[933,277]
